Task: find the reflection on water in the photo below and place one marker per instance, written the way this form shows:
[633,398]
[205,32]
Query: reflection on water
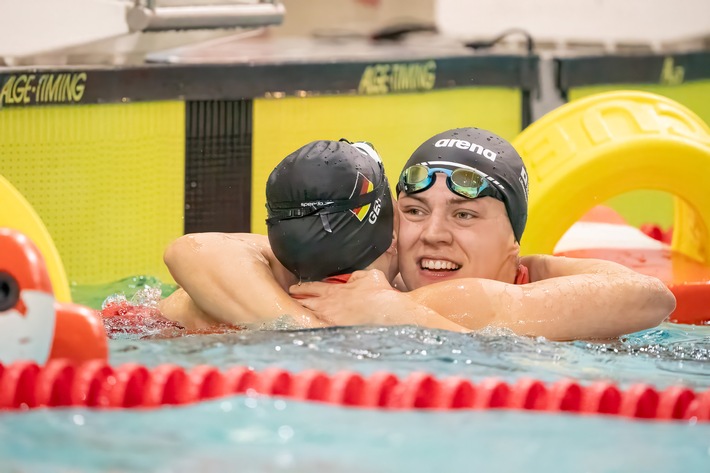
[247,434]
[670,354]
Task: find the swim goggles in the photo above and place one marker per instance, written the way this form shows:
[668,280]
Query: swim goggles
[464,181]
[288,211]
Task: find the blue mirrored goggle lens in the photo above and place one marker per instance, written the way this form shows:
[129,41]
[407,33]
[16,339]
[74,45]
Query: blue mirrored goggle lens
[465,182]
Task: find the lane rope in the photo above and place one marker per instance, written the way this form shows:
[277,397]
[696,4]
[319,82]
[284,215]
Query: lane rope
[95,384]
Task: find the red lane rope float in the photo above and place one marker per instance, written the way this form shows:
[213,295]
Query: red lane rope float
[95,384]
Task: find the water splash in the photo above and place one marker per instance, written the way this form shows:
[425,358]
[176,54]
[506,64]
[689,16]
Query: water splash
[405,349]
[130,310]
[94,295]
[666,355]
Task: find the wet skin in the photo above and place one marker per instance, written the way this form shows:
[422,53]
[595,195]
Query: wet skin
[444,236]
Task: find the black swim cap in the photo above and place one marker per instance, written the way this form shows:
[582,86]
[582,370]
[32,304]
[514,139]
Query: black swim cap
[489,154]
[330,209]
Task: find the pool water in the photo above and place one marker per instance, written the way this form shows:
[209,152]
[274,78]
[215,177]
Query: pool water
[135,288]
[243,433]
[670,354]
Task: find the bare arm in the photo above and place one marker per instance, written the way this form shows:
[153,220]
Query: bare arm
[229,278]
[580,298]
[569,299]
[368,299]
[180,308]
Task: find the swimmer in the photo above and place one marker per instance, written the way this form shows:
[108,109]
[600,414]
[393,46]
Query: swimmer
[463,208]
[330,212]
[462,212]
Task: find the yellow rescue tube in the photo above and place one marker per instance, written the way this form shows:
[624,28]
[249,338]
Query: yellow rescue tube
[18,214]
[592,149]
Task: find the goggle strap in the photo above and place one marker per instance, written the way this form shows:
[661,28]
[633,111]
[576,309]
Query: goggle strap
[277,213]
[326,223]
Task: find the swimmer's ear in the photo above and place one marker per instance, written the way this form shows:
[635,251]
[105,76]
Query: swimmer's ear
[395,227]
[515,249]
[393,246]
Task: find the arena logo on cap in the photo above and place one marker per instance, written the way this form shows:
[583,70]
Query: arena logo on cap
[463,144]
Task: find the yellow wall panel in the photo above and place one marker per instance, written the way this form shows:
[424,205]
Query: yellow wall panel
[396,124]
[107,180]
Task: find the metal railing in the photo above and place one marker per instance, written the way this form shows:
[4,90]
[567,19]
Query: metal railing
[147,15]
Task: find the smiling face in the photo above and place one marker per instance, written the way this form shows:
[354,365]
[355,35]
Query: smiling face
[444,236]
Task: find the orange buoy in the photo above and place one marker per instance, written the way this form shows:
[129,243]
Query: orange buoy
[33,325]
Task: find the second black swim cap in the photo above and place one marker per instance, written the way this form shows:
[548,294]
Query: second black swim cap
[329,209]
[491,155]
